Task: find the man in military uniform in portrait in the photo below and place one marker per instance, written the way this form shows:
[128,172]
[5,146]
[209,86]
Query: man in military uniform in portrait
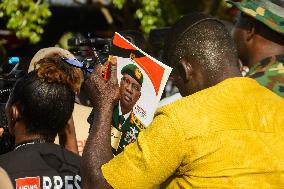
[259,35]
[125,125]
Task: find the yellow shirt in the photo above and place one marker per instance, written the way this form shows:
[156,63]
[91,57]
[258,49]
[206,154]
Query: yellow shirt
[227,136]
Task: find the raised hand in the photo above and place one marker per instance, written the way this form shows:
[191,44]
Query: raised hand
[103,92]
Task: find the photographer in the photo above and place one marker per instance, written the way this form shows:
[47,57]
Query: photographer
[39,107]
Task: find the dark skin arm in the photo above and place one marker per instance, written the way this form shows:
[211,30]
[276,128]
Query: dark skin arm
[103,95]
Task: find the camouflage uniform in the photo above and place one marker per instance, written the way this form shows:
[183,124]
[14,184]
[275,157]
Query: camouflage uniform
[123,132]
[128,130]
[270,71]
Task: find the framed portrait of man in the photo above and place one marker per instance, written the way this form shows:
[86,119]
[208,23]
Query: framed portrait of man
[142,80]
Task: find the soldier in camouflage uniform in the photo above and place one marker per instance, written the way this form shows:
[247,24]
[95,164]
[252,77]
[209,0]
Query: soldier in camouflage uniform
[259,35]
[125,125]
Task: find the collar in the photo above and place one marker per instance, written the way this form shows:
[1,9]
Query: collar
[29,142]
[120,113]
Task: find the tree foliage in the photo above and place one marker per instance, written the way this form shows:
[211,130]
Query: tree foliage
[157,13]
[149,12]
[26,17]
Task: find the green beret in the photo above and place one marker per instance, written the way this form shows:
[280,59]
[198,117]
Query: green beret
[265,11]
[134,72]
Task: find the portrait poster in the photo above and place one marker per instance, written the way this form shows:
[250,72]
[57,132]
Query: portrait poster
[155,75]
[133,67]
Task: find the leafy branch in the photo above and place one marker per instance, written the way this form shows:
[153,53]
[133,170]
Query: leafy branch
[26,17]
[149,13]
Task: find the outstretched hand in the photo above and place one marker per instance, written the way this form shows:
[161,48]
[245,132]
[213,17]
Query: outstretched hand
[102,92]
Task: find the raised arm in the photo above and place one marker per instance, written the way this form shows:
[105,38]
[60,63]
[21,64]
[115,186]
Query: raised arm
[103,95]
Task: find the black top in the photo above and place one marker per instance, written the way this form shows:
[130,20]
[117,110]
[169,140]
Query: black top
[44,164]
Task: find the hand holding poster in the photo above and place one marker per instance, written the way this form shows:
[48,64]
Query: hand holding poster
[142,80]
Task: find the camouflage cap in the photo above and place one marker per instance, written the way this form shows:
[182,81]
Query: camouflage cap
[134,72]
[269,12]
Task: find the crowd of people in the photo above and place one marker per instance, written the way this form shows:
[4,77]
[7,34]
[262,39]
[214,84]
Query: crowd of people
[225,132]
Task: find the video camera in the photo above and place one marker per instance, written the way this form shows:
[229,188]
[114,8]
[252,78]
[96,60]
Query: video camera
[90,51]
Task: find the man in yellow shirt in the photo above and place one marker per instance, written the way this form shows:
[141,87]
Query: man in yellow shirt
[227,134]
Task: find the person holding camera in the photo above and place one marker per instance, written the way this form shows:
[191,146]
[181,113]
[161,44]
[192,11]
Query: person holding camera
[40,107]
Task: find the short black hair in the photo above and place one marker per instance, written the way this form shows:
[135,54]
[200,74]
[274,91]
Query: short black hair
[46,102]
[201,38]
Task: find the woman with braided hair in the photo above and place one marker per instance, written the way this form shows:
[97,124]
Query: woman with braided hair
[40,107]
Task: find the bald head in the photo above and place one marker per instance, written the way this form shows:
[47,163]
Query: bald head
[203,44]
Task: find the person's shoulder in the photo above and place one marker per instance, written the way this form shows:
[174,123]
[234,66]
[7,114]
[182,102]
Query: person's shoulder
[14,161]
[7,157]
[134,120]
[269,73]
[266,64]
[57,155]
[169,100]
[197,100]
[59,151]
[35,151]
[213,101]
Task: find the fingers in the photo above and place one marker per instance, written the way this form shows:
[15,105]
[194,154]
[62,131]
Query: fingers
[113,60]
[113,68]
[98,71]
[96,75]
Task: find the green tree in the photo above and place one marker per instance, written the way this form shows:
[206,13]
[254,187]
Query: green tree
[150,12]
[157,13]
[26,17]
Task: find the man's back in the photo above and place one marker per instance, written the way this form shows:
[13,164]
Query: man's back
[238,140]
[229,135]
